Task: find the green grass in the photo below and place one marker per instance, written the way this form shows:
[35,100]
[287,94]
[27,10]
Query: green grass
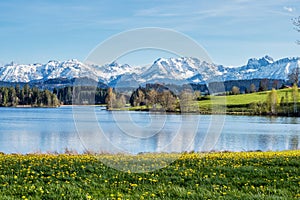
[233,104]
[243,99]
[241,102]
[248,175]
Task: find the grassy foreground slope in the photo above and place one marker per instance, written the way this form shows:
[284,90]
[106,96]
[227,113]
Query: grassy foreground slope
[247,175]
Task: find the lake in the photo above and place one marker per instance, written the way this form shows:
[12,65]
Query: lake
[92,128]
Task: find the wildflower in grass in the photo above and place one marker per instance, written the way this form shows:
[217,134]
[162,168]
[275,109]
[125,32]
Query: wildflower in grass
[52,175]
[133,185]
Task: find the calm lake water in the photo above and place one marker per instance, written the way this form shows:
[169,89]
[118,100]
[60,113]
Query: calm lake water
[27,130]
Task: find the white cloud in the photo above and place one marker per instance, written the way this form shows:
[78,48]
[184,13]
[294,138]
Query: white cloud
[289,9]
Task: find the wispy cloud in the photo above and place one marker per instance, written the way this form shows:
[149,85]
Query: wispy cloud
[156,12]
[289,9]
[37,24]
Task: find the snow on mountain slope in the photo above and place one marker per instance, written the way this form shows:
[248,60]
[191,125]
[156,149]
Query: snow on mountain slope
[53,69]
[20,73]
[277,70]
[265,67]
[69,69]
[179,69]
[193,70]
[172,70]
[110,72]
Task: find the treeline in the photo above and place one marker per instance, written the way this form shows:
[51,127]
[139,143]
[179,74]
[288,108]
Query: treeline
[285,105]
[88,95]
[263,85]
[157,98]
[161,98]
[34,97]
[26,96]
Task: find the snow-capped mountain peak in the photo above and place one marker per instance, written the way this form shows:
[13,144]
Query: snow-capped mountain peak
[266,60]
[166,70]
[53,69]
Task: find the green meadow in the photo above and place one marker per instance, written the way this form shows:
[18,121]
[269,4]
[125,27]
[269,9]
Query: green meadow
[227,175]
[241,104]
[248,103]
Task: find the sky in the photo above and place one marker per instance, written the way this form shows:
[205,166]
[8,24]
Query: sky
[231,31]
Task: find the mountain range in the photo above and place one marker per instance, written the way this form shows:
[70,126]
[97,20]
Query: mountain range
[171,70]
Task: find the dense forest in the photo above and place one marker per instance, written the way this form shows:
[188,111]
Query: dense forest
[17,96]
[26,96]
[88,95]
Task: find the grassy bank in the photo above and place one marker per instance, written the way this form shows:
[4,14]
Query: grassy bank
[248,175]
[247,104]
[253,103]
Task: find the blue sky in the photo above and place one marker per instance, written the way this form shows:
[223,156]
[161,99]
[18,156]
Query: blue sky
[231,31]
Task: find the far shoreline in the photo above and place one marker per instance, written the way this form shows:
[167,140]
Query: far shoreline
[133,109]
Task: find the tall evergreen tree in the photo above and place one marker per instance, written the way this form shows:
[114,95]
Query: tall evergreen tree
[5,97]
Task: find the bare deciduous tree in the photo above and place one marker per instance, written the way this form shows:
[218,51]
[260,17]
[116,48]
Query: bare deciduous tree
[296,22]
[110,99]
[235,90]
[252,88]
[272,101]
[295,95]
[294,76]
[167,100]
[187,101]
[151,97]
